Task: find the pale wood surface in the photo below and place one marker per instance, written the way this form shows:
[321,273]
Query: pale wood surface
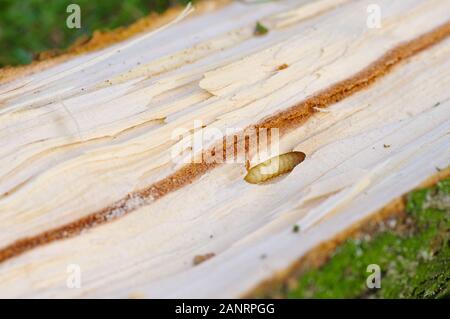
[73,144]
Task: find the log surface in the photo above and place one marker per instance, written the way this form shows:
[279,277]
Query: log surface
[94,135]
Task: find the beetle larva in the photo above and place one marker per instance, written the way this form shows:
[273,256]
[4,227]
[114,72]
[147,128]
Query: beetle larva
[274,167]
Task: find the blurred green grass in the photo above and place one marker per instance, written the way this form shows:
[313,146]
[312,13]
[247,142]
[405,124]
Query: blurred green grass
[28,27]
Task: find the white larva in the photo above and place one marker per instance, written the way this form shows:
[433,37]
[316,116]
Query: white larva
[274,167]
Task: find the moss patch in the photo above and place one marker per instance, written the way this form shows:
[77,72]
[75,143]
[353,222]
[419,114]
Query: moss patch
[412,250]
[260,29]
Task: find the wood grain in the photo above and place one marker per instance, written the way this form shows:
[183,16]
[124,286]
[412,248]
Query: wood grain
[94,135]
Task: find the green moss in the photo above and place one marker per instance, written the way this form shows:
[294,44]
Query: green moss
[260,29]
[415,263]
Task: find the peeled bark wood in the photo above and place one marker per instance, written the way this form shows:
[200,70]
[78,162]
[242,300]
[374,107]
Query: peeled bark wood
[87,174]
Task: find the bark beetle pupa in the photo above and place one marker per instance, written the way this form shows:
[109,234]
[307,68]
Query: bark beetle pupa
[274,167]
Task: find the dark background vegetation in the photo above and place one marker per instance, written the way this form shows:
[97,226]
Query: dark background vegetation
[28,27]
